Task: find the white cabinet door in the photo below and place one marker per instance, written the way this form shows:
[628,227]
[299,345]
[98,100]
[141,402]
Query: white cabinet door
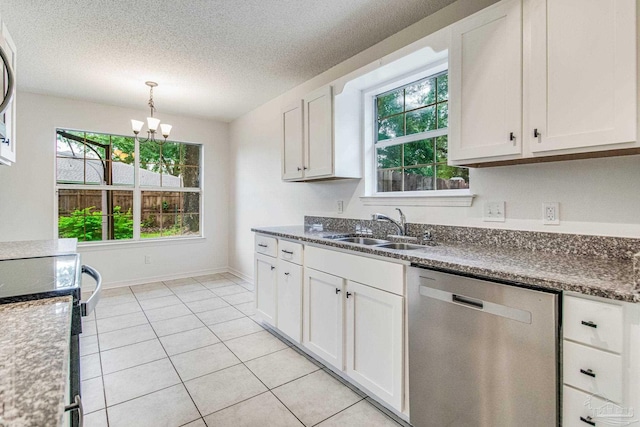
[582,79]
[485,84]
[318,133]
[289,300]
[8,119]
[374,340]
[292,142]
[322,316]
[266,288]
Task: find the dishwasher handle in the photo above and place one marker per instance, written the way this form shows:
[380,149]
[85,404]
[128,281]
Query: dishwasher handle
[87,307]
[467,301]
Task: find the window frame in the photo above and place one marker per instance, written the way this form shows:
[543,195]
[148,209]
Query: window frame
[456,197]
[136,189]
[407,139]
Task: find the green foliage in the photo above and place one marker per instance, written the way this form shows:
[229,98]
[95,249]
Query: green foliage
[86,224]
[418,107]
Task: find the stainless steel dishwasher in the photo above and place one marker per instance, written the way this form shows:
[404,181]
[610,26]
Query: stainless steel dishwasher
[481,353]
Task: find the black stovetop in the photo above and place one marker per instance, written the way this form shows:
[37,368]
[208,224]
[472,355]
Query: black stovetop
[44,277]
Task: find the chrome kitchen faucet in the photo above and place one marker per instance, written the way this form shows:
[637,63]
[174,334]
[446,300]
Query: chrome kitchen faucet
[401,226]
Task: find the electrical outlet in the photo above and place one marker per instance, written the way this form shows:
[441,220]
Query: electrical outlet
[551,213]
[340,206]
[494,211]
[147,259]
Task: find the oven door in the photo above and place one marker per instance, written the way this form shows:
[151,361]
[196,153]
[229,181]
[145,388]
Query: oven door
[80,309]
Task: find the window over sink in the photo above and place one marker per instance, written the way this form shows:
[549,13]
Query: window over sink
[411,138]
[112,187]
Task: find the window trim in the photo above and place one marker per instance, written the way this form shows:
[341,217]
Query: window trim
[371,197]
[137,190]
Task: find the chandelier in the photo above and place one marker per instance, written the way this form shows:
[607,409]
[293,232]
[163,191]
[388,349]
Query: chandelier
[152,122]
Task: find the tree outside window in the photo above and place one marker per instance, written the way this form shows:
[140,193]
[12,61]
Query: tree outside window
[412,137]
[99,187]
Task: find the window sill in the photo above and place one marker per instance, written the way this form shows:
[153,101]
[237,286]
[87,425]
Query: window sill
[115,244]
[463,198]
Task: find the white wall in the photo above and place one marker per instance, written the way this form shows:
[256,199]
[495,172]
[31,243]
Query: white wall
[27,189]
[596,196]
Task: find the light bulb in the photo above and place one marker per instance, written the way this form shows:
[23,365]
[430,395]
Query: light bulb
[136,125]
[166,130]
[153,123]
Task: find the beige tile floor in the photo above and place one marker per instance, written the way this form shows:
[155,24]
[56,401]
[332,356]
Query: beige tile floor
[188,352]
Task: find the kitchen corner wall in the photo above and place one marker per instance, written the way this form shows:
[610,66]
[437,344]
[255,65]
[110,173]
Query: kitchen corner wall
[27,189]
[597,196]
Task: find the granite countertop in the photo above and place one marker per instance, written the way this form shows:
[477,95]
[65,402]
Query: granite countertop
[37,248]
[33,372]
[608,278]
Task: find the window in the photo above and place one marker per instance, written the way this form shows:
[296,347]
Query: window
[111,187]
[411,138]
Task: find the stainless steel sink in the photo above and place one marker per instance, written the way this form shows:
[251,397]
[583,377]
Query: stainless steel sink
[401,246]
[362,240]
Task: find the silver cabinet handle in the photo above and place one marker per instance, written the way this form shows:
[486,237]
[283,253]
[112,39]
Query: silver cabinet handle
[287,273]
[76,406]
[87,307]
[272,268]
[287,252]
[263,246]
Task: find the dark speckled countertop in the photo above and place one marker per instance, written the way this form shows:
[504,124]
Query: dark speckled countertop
[604,277]
[34,358]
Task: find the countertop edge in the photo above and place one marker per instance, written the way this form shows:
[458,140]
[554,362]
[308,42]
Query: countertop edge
[321,238]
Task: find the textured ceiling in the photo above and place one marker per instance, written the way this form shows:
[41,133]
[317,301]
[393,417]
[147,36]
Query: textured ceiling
[212,58]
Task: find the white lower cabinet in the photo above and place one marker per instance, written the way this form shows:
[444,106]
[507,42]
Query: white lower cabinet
[323,316]
[374,341]
[289,300]
[344,309]
[266,288]
[357,329]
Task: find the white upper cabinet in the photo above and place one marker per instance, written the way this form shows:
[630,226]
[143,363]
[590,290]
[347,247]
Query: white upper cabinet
[485,74]
[292,140]
[8,119]
[318,133]
[541,78]
[582,73]
[310,150]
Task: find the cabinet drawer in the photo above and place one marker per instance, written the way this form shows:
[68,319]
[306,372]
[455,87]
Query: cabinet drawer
[581,409]
[266,245]
[595,323]
[383,275]
[594,371]
[290,251]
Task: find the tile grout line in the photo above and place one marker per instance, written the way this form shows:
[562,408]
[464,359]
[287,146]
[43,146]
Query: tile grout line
[97,335]
[174,367]
[231,351]
[316,364]
[268,390]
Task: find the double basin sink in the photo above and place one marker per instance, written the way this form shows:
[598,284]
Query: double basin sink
[379,243]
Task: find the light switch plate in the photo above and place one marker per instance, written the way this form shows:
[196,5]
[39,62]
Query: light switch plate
[494,211]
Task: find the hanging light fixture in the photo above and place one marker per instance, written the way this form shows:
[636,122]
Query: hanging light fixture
[152,122]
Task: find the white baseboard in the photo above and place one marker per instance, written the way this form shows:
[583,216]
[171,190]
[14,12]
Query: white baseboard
[150,279]
[240,274]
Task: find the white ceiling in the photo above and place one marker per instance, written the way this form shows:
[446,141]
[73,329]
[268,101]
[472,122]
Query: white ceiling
[211,58]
